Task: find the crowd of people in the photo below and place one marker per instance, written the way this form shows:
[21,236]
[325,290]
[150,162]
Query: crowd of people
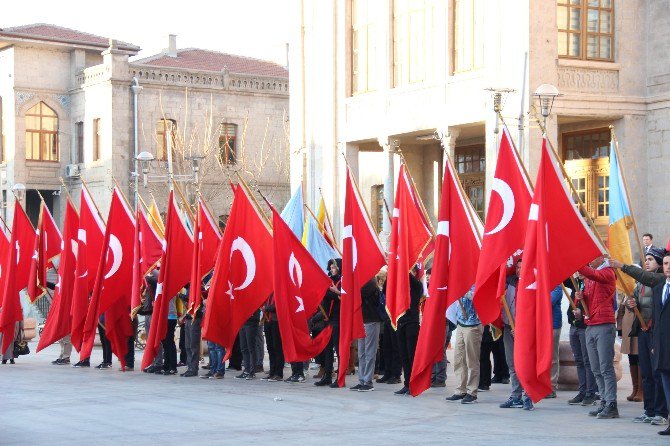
[596,316]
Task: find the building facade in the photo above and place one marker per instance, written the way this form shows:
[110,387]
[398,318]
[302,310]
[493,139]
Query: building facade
[75,106]
[375,78]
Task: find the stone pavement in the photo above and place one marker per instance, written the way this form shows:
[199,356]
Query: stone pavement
[57,405]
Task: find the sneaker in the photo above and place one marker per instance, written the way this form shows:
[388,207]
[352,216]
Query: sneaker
[438,384]
[56,362]
[644,418]
[551,395]
[528,404]
[242,375]
[334,385]
[665,432]
[189,374]
[299,379]
[383,379]
[267,377]
[274,379]
[577,399]
[84,363]
[469,399]
[159,371]
[181,364]
[150,369]
[484,388]
[590,400]
[393,381]
[128,369]
[610,411]
[170,372]
[325,381]
[290,379]
[207,375]
[366,388]
[659,421]
[512,403]
[103,365]
[217,375]
[403,391]
[250,376]
[601,407]
[456,397]
[64,361]
[356,388]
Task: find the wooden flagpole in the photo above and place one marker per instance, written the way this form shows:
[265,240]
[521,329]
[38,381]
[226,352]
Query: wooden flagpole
[337,248]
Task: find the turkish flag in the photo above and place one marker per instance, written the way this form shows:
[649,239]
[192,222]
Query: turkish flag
[358,237]
[243,275]
[146,254]
[454,267]
[4,252]
[90,238]
[112,290]
[17,269]
[409,237]
[173,275]
[299,286]
[505,229]
[47,247]
[59,322]
[554,223]
[206,246]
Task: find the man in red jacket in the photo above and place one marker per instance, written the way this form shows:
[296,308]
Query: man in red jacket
[599,289]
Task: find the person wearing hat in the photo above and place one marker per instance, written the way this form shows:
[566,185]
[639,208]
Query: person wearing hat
[655,406]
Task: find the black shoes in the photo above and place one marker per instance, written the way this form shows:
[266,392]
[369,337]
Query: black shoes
[325,381]
[590,400]
[469,399]
[188,374]
[383,379]
[665,432]
[456,397]
[577,400]
[84,363]
[601,407]
[393,381]
[610,411]
[403,391]
[104,365]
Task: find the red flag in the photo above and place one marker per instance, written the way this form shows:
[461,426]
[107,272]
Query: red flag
[358,237]
[146,254]
[4,252]
[206,246]
[505,228]
[243,273]
[47,247]
[58,323]
[90,236]
[299,286]
[454,268]
[174,274]
[409,237]
[112,290]
[553,224]
[17,267]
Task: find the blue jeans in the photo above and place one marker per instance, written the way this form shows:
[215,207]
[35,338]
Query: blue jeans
[216,354]
[587,382]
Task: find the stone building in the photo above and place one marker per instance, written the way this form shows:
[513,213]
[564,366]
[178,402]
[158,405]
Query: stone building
[367,75]
[67,110]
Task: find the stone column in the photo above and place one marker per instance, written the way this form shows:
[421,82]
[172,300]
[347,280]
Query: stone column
[448,141]
[389,188]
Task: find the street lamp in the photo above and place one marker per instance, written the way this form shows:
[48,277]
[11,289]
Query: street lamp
[547,93]
[144,158]
[195,166]
[19,190]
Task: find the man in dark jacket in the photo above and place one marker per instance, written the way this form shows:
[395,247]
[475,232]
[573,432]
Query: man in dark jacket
[408,330]
[273,340]
[599,288]
[661,336]
[331,305]
[367,347]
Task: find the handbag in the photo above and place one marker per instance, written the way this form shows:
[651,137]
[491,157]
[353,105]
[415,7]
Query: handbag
[21,348]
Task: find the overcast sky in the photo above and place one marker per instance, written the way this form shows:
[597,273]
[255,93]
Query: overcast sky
[254,28]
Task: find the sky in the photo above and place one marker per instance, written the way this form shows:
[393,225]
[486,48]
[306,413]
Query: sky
[253,28]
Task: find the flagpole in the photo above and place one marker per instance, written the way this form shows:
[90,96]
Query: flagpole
[330,224]
[251,195]
[589,220]
[314,216]
[208,209]
[184,202]
[5,224]
[141,200]
[67,191]
[625,188]
[122,194]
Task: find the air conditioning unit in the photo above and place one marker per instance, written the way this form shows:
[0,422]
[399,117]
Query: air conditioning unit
[72,171]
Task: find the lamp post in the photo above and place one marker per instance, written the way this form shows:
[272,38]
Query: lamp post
[135,88]
[19,190]
[546,93]
[145,159]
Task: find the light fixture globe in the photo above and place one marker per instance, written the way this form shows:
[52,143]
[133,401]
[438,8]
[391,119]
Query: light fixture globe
[546,93]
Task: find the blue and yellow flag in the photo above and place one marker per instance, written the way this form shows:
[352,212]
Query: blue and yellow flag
[317,245]
[620,222]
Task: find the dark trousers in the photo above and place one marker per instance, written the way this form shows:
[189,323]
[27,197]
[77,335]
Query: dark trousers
[408,335]
[275,351]
[298,368]
[500,369]
[106,345]
[654,398]
[182,344]
[333,345]
[248,346]
[192,343]
[169,347]
[485,368]
[235,360]
[130,356]
[391,352]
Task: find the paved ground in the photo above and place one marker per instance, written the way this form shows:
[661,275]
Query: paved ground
[58,405]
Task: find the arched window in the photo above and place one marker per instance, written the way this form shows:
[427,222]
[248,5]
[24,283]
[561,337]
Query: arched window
[41,133]
[162,139]
[228,143]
